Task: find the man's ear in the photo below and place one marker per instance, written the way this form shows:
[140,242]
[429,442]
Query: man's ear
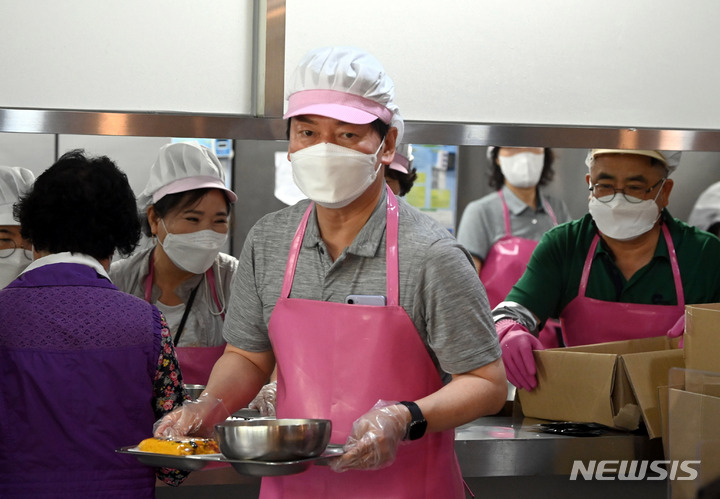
[388,151]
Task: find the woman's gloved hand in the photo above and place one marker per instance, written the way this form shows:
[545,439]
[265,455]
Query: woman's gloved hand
[264,401]
[517,353]
[677,330]
[375,438]
[196,418]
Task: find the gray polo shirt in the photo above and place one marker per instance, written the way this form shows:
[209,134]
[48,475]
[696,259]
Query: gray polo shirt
[483,222]
[439,288]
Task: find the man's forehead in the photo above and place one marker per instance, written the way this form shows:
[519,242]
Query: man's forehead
[624,165]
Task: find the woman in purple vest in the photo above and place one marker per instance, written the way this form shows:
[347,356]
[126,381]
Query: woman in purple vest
[85,368]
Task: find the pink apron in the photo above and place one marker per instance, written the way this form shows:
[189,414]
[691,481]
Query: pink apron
[196,363]
[583,318]
[335,361]
[505,264]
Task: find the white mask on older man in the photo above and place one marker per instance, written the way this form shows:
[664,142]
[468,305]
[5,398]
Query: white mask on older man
[333,176]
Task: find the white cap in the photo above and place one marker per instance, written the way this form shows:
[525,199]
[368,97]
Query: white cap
[346,84]
[706,211]
[403,158]
[670,159]
[14,182]
[181,167]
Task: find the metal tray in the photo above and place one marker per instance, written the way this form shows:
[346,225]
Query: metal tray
[197,462]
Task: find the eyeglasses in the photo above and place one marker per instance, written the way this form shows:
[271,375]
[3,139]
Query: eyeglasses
[632,193]
[8,247]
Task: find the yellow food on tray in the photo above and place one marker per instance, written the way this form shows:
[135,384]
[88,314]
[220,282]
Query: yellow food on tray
[179,447]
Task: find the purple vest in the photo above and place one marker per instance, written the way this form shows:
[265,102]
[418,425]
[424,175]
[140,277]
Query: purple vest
[77,362]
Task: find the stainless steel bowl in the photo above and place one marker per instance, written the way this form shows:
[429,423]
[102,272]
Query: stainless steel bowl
[194,390]
[273,439]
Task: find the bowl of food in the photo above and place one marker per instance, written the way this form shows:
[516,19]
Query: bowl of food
[194,390]
[273,439]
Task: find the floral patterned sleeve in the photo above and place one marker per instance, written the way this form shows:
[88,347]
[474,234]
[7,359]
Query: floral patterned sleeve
[168,393]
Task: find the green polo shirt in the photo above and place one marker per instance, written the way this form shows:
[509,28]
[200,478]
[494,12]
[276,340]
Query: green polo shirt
[552,278]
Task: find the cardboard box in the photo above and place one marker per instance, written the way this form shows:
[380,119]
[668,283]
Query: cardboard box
[693,431]
[702,337]
[614,384]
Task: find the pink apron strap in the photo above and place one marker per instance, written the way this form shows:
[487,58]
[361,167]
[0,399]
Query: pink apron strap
[506,213]
[673,262]
[588,264]
[391,245]
[548,208]
[675,267]
[209,275]
[294,253]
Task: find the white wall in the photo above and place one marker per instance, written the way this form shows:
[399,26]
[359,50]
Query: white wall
[127,55]
[635,63]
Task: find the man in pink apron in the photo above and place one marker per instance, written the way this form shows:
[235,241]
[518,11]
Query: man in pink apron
[363,302]
[625,270]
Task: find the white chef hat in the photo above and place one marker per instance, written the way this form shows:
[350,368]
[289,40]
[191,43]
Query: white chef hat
[706,211]
[14,182]
[346,84]
[670,159]
[403,158]
[180,167]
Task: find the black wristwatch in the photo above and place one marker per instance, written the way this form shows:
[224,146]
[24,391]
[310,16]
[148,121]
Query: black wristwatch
[417,425]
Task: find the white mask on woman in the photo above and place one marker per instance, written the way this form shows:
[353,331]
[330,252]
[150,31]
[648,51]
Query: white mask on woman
[12,266]
[523,169]
[195,251]
[623,220]
[333,176]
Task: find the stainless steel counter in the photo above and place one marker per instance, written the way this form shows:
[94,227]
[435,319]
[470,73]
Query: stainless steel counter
[507,446]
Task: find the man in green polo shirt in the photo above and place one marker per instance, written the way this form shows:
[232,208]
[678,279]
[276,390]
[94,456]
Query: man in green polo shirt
[625,270]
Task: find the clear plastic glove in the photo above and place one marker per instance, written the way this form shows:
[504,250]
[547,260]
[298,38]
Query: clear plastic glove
[374,439]
[197,418]
[264,401]
[517,353]
[677,330]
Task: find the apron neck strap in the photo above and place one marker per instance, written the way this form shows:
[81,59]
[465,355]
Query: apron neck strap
[506,213]
[391,250]
[673,263]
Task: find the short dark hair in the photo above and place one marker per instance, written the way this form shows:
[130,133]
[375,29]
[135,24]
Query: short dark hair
[406,180]
[497,179]
[82,205]
[176,202]
[378,125]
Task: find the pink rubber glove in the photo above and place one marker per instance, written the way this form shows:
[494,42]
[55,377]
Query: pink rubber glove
[517,353]
[197,418]
[264,401]
[677,330]
[375,438]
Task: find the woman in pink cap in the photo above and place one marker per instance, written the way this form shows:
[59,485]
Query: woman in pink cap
[355,296]
[186,208]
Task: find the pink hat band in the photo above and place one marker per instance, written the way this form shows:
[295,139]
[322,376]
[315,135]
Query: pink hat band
[342,106]
[192,183]
[400,163]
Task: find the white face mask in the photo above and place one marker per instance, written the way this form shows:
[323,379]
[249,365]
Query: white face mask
[11,266]
[523,169]
[622,220]
[333,176]
[195,251]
